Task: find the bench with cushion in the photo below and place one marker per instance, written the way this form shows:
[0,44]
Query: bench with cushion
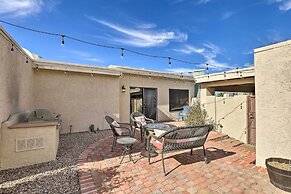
[180,139]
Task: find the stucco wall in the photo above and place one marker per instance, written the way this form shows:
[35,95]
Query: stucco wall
[273,101]
[162,84]
[16,80]
[230,115]
[81,99]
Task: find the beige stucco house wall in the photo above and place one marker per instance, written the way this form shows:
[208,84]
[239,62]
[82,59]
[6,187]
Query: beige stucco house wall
[16,78]
[80,98]
[273,101]
[83,98]
[162,85]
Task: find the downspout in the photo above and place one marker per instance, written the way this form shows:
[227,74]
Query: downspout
[215,113]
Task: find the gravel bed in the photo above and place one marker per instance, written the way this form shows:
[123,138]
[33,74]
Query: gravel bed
[59,176]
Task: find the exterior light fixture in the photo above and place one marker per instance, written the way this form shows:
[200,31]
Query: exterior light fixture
[123,89]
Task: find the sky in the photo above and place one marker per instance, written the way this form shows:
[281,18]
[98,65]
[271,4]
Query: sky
[222,33]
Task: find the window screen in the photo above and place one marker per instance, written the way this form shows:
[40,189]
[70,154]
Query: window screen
[178,99]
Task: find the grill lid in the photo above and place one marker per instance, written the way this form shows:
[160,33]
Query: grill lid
[41,115]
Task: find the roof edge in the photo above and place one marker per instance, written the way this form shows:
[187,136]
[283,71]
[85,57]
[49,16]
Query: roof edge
[272,46]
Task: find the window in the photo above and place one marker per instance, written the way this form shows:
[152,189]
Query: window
[178,99]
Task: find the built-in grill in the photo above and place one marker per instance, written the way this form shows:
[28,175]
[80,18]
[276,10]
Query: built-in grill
[40,115]
[29,137]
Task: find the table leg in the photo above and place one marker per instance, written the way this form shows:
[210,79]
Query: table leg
[152,151]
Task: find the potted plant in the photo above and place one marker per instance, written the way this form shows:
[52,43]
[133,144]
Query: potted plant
[279,171]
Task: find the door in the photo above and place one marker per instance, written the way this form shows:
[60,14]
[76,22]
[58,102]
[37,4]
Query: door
[252,120]
[150,103]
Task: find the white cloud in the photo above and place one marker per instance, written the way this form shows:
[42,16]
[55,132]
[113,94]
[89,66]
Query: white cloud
[283,5]
[180,70]
[95,60]
[209,51]
[22,8]
[203,1]
[227,15]
[142,37]
[190,50]
[146,25]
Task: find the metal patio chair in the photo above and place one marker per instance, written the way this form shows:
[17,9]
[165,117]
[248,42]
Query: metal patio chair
[138,124]
[119,130]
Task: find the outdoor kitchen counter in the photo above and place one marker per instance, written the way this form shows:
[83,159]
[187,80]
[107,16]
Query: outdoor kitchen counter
[33,124]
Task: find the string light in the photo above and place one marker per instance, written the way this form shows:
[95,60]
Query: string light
[122,54]
[105,46]
[170,62]
[26,60]
[11,49]
[63,40]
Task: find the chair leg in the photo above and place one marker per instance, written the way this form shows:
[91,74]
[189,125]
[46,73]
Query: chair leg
[113,144]
[149,153]
[141,135]
[204,153]
[163,164]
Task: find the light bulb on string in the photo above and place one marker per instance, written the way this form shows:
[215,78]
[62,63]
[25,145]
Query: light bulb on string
[63,40]
[26,60]
[170,62]
[122,54]
[12,47]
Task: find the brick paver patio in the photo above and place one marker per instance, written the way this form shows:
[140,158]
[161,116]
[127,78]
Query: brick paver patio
[231,170]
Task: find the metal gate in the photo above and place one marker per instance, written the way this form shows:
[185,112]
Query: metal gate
[252,120]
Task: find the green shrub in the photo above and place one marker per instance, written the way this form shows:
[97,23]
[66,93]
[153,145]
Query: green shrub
[197,115]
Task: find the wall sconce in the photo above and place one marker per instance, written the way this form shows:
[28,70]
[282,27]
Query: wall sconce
[123,88]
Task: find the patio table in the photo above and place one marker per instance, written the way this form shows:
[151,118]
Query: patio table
[156,129]
[127,142]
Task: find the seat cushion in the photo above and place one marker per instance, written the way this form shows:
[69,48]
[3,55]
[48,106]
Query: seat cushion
[157,144]
[116,127]
[141,119]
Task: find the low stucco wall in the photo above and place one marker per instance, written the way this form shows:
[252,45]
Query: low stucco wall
[80,98]
[162,84]
[273,101]
[230,115]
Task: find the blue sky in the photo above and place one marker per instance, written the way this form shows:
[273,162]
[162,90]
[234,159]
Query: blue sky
[219,32]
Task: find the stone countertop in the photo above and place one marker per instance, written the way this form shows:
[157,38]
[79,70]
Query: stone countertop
[33,124]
